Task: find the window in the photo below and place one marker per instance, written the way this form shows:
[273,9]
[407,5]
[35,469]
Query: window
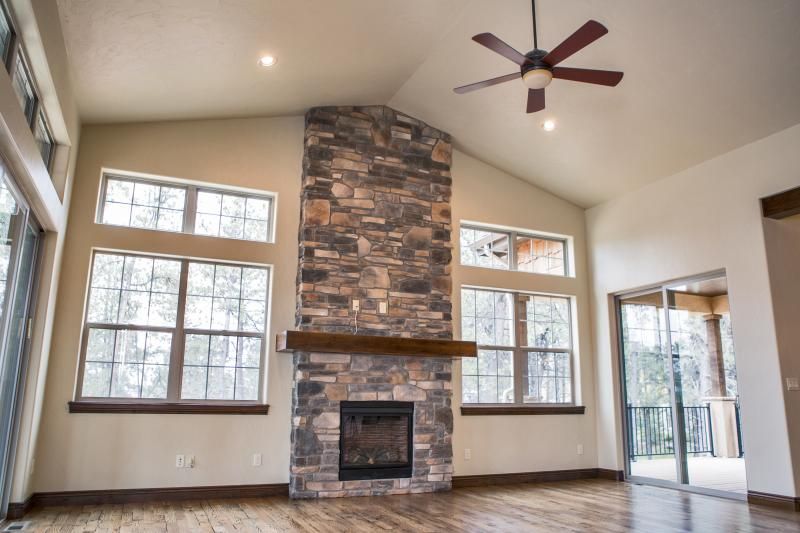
[6,35]
[44,140]
[232,215]
[172,206]
[524,348]
[530,253]
[140,204]
[23,87]
[150,318]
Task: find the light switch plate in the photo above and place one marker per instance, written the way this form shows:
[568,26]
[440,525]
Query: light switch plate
[793,384]
[382,306]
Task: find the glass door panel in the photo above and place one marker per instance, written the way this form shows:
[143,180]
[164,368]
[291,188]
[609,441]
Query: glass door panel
[650,441]
[705,383]
[19,239]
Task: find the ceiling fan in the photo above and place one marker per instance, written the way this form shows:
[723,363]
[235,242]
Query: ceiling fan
[538,67]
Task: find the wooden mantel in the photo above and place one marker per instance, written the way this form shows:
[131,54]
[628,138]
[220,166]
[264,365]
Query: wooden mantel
[306,341]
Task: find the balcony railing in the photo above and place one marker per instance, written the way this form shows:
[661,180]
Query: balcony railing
[650,432]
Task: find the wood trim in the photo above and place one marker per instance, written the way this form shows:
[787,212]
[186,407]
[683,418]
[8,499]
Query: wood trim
[17,510]
[308,341]
[613,475]
[483,410]
[790,503]
[483,480]
[168,408]
[122,496]
[781,205]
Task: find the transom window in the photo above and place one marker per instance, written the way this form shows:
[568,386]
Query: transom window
[44,139]
[510,250]
[23,87]
[524,348]
[170,206]
[149,319]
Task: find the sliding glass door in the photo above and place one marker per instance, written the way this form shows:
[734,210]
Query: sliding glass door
[681,407]
[19,243]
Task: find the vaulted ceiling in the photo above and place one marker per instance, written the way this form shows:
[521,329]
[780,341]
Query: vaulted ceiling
[701,78]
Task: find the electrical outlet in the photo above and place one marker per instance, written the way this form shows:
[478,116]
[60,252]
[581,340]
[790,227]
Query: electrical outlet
[792,384]
[180,461]
[356,305]
[580,449]
[467,454]
[256,459]
[382,307]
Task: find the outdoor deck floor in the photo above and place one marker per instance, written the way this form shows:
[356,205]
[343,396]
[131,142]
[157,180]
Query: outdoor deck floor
[708,472]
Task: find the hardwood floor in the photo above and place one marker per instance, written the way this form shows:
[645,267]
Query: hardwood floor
[587,505]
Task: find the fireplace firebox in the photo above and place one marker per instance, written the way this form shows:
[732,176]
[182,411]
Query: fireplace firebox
[376,440]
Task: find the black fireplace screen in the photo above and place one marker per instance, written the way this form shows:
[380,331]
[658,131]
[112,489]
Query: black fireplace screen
[376,440]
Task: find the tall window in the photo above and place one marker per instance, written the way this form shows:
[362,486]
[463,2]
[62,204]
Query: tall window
[171,206]
[524,348]
[150,319]
[6,35]
[511,250]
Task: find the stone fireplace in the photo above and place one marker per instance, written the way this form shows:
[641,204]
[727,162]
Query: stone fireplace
[375,227]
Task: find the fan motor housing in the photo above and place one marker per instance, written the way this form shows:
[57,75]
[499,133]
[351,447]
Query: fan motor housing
[535,61]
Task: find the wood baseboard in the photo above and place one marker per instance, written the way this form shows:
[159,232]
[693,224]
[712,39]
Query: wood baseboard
[773,500]
[97,497]
[483,480]
[121,496]
[17,510]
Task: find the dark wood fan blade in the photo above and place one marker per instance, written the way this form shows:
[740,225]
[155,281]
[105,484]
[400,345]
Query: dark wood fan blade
[486,83]
[598,77]
[535,100]
[586,35]
[496,45]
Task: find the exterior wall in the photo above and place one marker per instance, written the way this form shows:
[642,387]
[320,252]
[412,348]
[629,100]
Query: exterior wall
[700,220]
[86,451]
[375,226]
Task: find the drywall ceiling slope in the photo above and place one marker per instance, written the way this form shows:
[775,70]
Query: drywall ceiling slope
[144,60]
[701,78]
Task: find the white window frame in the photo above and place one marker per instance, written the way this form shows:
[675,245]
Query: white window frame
[520,352]
[512,235]
[190,203]
[179,332]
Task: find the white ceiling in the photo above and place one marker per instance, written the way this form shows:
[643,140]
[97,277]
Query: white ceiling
[701,78]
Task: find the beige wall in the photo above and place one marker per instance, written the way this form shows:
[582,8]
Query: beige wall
[101,451]
[484,194]
[702,219]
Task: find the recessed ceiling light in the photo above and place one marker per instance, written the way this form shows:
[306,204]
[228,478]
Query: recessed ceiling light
[549,125]
[267,61]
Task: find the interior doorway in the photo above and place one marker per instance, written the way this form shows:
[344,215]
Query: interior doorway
[680,392]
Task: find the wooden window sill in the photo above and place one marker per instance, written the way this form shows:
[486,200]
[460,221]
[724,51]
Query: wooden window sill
[168,408]
[480,410]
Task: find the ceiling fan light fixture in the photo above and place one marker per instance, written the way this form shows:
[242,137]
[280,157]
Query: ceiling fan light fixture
[538,78]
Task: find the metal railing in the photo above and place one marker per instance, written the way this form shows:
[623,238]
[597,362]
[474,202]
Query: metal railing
[650,431]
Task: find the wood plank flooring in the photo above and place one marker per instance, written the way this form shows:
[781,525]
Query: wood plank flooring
[587,505]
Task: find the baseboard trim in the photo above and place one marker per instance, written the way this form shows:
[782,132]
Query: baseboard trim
[17,510]
[773,500]
[116,496]
[484,480]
